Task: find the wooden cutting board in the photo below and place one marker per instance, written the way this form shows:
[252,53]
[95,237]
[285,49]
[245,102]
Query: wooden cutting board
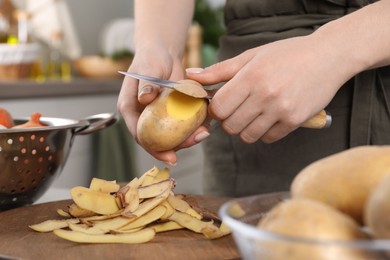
[18,241]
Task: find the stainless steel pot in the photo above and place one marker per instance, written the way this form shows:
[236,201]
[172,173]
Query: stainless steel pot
[31,158]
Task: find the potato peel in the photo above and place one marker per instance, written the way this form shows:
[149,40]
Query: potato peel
[141,236]
[166,226]
[134,213]
[50,225]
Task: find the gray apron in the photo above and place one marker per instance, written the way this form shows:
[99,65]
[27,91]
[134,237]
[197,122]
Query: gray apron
[360,109]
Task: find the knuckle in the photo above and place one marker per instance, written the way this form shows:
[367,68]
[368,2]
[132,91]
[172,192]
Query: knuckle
[288,116]
[248,138]
[271,94]
[289,122]
[269,138]
[217,111]
[229,128]
[292,120]
[275,134]
[121,106]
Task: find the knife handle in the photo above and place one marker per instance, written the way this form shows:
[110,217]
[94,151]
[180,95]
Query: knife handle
[322,120]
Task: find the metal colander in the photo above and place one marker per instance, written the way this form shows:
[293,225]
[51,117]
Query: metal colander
[31,157]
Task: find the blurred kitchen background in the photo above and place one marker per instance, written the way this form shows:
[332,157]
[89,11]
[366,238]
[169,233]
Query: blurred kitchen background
[61,57]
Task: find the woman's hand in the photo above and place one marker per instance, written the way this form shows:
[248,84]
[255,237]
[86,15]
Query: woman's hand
[271,90]
[135,95]
[159,43]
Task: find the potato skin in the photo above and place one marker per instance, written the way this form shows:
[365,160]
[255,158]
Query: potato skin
[158,131]
[344,180]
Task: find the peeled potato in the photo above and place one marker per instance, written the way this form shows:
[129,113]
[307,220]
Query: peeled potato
[344,180]
[170,119]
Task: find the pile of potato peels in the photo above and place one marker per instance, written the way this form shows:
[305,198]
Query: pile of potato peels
[108,213]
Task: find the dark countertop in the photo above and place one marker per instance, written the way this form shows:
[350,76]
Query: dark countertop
[22,89]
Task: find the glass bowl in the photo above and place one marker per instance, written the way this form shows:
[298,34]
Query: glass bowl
[243,214]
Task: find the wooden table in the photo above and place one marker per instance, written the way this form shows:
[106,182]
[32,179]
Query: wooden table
[18,241]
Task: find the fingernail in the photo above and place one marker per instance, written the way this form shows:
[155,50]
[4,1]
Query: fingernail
[170,163]
[147,89]
[201,136]
[194,70]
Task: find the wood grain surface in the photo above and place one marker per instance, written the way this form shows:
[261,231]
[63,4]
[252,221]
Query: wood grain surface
[18,241]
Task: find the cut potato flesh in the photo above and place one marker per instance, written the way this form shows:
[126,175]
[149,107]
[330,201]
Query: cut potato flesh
[121,231]
[183,206]
[131,197]
[151,216]
[50,225]
[154,189]
[182,107]
[213,232]
[169,210]
[104,226]
[189,222]
[63,213]
[166,226]
[146,206]
[101,203]
[77,212]
[149,176]
[162,175]
[84,228]
[103,185]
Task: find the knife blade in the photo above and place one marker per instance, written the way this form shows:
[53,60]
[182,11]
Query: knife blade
[187,89]
[160,82]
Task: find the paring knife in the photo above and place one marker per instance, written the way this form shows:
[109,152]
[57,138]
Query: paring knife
[322,120]
[188,89]
[160,82]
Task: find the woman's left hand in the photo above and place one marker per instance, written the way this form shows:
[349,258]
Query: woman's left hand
[272,89]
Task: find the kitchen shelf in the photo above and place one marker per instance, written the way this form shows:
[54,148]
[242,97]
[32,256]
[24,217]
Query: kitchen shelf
[22,89]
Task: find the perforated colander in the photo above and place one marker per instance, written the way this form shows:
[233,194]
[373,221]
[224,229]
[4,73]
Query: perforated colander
[31,157]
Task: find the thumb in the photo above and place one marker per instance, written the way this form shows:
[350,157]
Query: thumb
[218,72]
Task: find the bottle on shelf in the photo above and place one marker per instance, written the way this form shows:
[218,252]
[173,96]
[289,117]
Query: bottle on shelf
[4,27]
[22,18]
[59,67]
[193,57]
[12,37]
[7,20]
